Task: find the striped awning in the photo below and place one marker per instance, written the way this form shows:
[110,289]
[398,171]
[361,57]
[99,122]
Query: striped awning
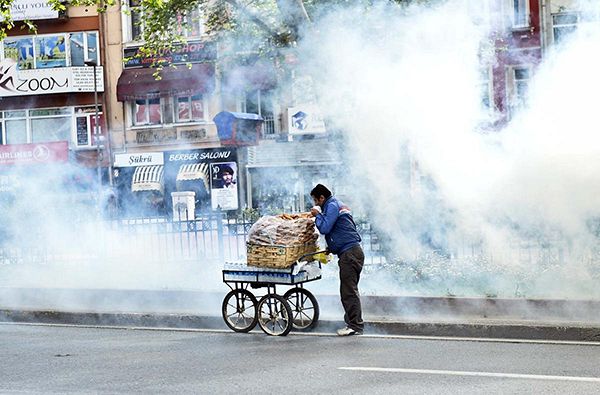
[147,178]
[194,171]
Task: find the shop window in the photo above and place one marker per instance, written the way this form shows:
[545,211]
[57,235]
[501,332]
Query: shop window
[45,51]
[46,125]
[50,51]
[21,51]
[50,129]
[190,108]
[15,127]
[147,112]
[520,13]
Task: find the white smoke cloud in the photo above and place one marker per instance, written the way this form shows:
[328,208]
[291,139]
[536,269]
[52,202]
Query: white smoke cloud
[404,88]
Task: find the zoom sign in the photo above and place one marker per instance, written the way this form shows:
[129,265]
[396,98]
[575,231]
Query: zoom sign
[15,82]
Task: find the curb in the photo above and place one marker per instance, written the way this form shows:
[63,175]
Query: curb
[480,329]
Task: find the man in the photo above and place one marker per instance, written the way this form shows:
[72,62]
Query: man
[227,176]
[334,220]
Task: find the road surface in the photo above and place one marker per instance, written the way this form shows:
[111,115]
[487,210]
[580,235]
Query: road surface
[69,359]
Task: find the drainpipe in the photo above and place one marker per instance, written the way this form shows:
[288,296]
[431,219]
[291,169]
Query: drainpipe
[544,27]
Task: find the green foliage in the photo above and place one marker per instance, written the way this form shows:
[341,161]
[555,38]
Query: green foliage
[260,27]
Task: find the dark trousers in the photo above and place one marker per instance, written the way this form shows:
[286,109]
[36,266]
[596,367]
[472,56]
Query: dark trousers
[351,263]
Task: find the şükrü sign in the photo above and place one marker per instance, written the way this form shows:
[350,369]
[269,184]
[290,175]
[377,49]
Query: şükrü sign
[30,154]
[139,159]
[21,10]
[192,52]
[15,82]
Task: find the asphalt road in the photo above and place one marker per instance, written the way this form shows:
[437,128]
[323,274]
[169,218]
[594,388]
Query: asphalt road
[55,359]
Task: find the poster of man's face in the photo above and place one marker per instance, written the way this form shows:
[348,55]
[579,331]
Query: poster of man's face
[224,175]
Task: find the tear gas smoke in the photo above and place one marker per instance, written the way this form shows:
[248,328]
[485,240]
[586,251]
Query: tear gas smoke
[508,212]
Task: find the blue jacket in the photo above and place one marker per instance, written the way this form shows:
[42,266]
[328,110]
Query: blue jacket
[336,223]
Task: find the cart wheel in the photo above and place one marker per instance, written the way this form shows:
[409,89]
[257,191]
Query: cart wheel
[274,315]
[239,310]
[305,309]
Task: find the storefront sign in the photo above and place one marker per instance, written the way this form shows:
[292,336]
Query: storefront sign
[214,180]
[30,154]
[305,119]
[14,82]
[191,52]
[139,159]
[21,10]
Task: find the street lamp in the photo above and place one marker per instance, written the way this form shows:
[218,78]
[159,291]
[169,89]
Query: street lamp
[94,64]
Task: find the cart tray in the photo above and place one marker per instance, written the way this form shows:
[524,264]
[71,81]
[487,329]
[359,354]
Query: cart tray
[296,274]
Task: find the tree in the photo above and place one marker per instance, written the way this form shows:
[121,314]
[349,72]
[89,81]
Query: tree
[271,24]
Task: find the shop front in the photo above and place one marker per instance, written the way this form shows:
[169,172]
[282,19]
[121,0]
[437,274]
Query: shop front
[177,184]
[139,184]
[200,180]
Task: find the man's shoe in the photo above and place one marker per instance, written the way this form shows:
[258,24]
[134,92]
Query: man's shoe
[348,332]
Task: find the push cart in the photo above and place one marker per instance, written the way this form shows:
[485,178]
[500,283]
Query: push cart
[275,314]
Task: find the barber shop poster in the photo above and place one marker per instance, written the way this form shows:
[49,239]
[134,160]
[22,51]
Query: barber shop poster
[224,191]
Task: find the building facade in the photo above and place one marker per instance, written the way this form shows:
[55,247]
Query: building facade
[48,86]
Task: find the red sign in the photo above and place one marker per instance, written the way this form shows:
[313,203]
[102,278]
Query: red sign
[31,154]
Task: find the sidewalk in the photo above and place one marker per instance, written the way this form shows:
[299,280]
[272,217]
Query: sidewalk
[449,317]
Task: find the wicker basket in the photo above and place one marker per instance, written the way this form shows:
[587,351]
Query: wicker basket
[277,256]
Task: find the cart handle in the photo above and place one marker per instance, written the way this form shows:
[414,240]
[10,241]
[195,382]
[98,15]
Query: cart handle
[309,254]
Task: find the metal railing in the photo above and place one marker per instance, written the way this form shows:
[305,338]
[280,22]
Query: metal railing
[211,236]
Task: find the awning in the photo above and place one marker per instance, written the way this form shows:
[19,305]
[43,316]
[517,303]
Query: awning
[194,171]
[147,178]
[141,83]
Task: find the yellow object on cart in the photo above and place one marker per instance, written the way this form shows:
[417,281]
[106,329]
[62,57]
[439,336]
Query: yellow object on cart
[323,257]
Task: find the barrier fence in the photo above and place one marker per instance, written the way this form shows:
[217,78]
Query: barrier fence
[210,236]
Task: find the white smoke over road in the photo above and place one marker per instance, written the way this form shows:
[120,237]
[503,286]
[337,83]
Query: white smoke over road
[503,212]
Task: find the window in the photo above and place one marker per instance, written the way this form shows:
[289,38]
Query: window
[191,24]
[485,88]
[56,50]
[50,51]
[50,124]
[190,108]
[147,112]
[46,125]
[15,127]
[260,102]
[188,25]
[564,24]
[136,20]
[520,83]
[168,110]
[520,13]
[21,51]
[83,46]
